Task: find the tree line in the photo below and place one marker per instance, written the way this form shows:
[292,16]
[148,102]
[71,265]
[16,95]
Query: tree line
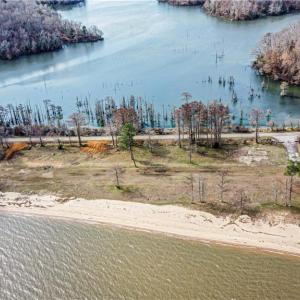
[60,2]
[28,28]
[239,10]
[193,118]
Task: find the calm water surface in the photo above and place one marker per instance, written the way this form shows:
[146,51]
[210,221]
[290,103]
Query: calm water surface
[42,258]
[151,50]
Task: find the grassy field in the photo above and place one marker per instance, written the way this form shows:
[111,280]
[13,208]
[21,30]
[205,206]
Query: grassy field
[164,175]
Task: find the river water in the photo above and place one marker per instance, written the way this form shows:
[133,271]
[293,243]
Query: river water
[44,258]
[155,51]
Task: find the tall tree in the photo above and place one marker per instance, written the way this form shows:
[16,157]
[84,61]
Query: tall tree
[78,120]
[218,116]
[256,116]
[292,169]
[127,139]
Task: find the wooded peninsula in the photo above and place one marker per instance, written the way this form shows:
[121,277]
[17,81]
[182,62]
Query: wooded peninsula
[278,55]
[241,10]
[28,28]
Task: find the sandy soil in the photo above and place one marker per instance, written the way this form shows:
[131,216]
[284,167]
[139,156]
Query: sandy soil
[272,234]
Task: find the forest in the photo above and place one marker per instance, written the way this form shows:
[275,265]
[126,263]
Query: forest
[183,2]
[29,28]
[242,10]
[60,2]
[250,9]
[278,55]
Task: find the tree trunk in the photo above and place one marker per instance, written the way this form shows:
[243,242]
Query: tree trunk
[79,136]
[117,178]
[41,142]
[291,190]
[131,155]
[2,142]
[179,134]
[192,187]
[256,134]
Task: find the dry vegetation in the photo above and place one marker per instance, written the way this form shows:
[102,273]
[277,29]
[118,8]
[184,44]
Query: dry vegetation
[239,10]
[250,9]
[244,172]
[279,55]
[60,2]
[14,149]
[183,2]
[95,147]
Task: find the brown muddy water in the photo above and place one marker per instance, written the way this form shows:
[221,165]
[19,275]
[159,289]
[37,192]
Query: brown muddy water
[42,258]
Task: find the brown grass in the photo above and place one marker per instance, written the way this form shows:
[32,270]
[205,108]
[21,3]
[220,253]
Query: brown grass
[13,149]
[162,176]
[95,147]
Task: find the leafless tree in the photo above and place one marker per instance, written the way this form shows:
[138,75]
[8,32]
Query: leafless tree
[117,171]
[222,183]
[190,181]
[241,199]
[201,189]
[256,116]
[218,116]
[276,190]
[78,120]
[249,9]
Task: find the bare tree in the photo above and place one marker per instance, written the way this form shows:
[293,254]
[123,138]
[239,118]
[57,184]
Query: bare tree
[190,180]
[222,183]
[247,9]
[201,189]
[218,116]
[256,116]
[117,171]
[78,120]
[241,199]
[276,190]
[178,124]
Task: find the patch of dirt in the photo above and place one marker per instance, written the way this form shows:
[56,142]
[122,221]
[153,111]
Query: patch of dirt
[252,155]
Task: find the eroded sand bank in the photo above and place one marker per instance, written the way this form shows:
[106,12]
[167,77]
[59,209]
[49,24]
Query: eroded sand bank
[272,234]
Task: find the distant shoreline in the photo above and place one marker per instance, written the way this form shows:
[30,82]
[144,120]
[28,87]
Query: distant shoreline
[280,238]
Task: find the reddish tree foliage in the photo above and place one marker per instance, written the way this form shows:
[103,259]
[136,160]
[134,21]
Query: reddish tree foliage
[123,116]
[196,118]
[278,55]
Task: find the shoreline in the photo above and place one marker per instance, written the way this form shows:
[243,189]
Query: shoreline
[238,246]
[176,221]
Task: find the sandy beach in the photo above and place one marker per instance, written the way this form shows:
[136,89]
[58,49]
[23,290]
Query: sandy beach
[272,234]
